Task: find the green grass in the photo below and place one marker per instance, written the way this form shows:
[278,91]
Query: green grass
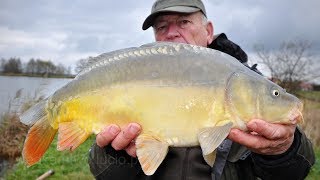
[66,165]
[73,165]
[311,95]
[315,171]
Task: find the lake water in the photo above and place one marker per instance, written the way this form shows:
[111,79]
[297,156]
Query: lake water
[14,91]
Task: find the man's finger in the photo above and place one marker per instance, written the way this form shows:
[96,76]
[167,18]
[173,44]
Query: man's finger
[269,130]
[124,138]
[248,140]
[131,149]
[107,135]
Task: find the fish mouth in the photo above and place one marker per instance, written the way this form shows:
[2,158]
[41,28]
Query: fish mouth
[295,115]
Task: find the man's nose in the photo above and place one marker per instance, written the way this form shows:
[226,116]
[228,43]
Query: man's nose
[173,31]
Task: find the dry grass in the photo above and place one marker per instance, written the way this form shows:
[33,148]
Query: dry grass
[311,125]
[12,133]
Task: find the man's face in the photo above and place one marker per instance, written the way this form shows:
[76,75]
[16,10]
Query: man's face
[183,28]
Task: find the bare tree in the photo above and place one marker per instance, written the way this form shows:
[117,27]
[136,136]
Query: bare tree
[60,69]
[83,63]
[13,65]
[31,66]
[291,64]
[2,63]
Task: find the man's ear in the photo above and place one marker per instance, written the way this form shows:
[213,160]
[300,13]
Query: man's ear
[210,31]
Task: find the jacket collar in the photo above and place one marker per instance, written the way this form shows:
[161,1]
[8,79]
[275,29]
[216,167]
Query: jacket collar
[223,44]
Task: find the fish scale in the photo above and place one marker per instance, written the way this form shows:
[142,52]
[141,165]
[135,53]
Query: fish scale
[181,95]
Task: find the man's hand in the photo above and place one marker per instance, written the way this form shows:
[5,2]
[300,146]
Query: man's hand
[265,138]
[120,139]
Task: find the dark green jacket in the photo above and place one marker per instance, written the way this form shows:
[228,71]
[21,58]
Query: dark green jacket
[233,160]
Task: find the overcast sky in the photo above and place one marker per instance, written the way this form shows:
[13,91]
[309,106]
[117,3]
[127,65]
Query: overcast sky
[66,31]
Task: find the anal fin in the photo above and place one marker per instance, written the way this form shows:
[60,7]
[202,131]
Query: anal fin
[151,151]
[210,138]
[70,136]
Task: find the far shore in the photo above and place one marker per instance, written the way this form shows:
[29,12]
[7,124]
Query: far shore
[39,75]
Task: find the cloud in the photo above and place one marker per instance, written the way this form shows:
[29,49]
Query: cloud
[266,22]
[28,42]
[66,32]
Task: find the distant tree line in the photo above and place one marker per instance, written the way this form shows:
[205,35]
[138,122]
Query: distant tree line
[34,67]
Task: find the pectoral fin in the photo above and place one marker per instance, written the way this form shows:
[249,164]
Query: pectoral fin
[210,138]
[151,151]
[70,136]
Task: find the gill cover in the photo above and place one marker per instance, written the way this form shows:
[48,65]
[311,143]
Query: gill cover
[250,96]
[241,96]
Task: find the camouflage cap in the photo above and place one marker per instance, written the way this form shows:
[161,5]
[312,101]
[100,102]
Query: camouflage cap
[180,6]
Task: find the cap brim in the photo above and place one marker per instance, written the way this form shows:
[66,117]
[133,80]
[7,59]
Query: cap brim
[180,9]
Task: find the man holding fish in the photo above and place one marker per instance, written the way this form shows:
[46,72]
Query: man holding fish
[266,150]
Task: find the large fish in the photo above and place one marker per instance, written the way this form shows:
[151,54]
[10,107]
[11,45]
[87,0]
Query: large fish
[182,95]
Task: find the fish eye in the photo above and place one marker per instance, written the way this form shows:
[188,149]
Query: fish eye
[275,93]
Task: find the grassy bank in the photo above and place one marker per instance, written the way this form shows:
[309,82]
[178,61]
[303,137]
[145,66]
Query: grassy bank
[66,165]
[74,165]
[315,171]
[311,126]
[311,114]
[310,95]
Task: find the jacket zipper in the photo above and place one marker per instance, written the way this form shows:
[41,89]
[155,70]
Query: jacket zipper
[185,164]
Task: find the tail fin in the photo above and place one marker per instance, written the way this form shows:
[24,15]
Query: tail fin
[40,134]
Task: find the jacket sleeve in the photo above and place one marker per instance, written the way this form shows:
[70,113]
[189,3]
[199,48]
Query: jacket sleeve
[293,164]
[107,163]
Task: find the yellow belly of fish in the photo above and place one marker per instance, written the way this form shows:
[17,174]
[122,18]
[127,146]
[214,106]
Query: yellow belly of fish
[174,113]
